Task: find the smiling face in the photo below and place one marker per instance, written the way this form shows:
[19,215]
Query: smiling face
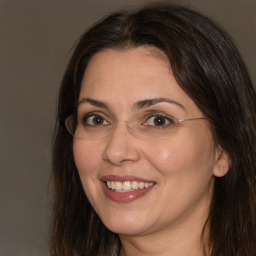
[157,184]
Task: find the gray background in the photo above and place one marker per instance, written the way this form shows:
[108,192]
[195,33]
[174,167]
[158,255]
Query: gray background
[35,38]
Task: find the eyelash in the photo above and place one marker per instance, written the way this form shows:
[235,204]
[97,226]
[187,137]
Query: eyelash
[86,117]
[155,116]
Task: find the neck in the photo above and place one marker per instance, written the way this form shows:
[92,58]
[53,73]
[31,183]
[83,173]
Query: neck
[176,244]
[173,246]
[175,240]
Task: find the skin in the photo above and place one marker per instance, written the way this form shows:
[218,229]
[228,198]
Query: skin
[168,220]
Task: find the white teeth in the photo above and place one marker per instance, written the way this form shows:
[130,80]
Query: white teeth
[135,184]
[128,185]
[118,185]
[141,185]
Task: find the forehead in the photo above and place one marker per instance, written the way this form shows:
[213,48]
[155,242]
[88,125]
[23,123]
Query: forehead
[129,75]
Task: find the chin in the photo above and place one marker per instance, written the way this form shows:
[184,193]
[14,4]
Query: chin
[126,229]
[126,224]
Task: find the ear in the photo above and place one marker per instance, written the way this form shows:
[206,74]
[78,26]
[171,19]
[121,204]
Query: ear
[222,162]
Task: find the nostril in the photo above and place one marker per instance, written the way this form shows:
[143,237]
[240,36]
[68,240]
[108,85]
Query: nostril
[120,149]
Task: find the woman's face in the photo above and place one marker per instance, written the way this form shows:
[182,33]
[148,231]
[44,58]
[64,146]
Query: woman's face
[159,184]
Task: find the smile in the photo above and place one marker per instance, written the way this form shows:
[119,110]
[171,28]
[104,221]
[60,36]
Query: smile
[128,186]
[124,189]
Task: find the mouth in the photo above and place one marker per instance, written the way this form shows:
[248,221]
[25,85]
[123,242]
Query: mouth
[125,189]
[128,186]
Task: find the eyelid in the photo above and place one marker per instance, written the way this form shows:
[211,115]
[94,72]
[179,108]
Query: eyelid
[82,114]
[140,117]
[92,114]
[168,119]
[151,113]
[90,118]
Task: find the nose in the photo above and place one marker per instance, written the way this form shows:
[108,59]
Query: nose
[121,147]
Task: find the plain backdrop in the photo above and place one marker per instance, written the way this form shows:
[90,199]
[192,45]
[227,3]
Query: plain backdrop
[35,39]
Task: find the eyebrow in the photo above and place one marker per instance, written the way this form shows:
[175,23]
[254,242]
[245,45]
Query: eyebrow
[96,103]
[151,102]
[138,105]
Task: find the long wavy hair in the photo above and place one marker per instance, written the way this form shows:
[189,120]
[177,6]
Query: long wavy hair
[209,68]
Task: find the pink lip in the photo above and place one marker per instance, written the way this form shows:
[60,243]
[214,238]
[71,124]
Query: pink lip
[124,197]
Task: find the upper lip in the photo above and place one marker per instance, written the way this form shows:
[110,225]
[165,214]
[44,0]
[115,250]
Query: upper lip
[124,178]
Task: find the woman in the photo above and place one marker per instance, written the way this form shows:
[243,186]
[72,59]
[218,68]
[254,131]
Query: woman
[154,152]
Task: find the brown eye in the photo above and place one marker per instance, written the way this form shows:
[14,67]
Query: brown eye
[95,120]
[158,121]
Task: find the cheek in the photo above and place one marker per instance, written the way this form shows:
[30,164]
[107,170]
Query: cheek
[163,157]
[192,154]
[86,157]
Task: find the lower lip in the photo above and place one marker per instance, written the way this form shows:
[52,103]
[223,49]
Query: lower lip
[124,197]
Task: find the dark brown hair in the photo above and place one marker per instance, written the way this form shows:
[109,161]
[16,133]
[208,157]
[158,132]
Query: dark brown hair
[209,68]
